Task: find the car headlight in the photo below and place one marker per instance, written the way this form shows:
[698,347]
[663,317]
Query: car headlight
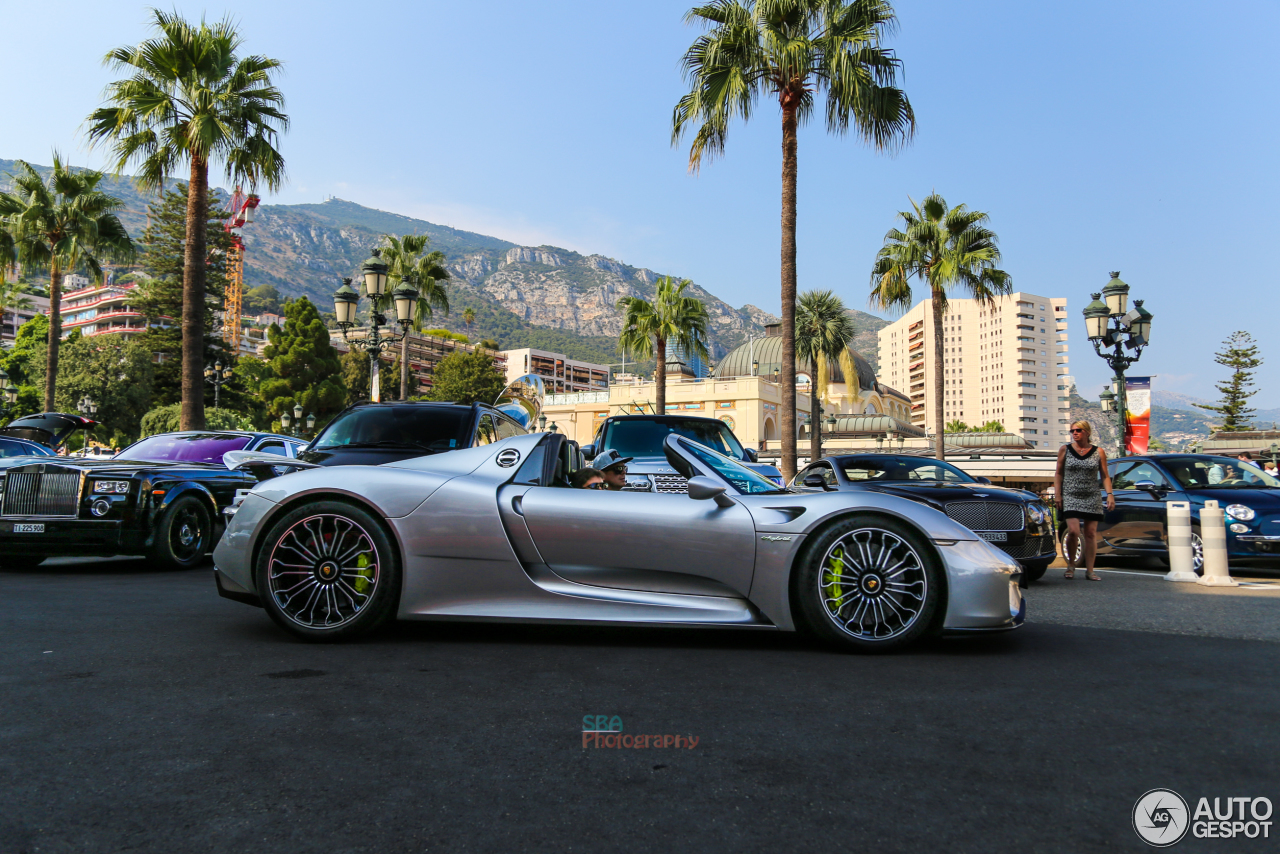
[1038,514]
[1239,511]
[111,486]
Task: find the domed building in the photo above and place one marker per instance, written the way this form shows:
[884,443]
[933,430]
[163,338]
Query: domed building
[762,357]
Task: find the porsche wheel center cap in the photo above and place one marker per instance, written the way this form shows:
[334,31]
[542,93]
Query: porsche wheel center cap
[327,571]
[871,584]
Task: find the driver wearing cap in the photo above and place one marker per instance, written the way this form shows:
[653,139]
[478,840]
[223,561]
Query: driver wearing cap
[614,466]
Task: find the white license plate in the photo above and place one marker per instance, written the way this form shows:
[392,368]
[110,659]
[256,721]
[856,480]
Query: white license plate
[993,536]
[28,529]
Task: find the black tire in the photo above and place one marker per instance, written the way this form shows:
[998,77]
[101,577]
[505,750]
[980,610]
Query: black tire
[17,563]
[184,534]
[1034,570]
[890,611]
[328,571]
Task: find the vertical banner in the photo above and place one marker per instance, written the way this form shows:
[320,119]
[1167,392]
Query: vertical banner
[1137,416]
[374,386]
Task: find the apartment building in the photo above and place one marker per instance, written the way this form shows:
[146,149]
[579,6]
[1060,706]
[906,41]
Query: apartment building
[561,374]
[101,309]
[15,317]
[1006,363]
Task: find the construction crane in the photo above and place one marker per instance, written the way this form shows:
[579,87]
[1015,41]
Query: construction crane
[239,214]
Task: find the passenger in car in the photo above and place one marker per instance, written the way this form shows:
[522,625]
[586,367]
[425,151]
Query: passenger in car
[614,467]
[587,478]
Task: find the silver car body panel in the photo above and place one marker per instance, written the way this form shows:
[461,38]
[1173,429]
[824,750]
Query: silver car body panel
[475,545]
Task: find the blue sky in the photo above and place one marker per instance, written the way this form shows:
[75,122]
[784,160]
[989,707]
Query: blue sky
[1136,136]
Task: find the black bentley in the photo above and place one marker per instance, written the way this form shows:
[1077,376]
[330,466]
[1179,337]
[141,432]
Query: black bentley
[161,497]
[1013,520]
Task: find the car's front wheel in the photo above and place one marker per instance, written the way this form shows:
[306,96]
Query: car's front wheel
[868,584]
[328,571]
[184,535]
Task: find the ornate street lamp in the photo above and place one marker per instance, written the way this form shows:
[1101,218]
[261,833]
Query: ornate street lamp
[217,376]
[1112,329]
[292,425]
[88,407]
[375,341]
[10,393]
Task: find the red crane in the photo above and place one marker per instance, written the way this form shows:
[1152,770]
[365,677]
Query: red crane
[239,214]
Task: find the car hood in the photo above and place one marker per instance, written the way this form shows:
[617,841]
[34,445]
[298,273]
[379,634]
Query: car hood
[942,493]
[361,456]
[1263,500]
[108,466]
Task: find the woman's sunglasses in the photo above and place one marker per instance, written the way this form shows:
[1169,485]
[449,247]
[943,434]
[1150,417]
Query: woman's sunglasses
[599,485]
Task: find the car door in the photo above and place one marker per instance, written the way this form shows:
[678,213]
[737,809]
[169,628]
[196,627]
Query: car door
[1138,522]
[648,541]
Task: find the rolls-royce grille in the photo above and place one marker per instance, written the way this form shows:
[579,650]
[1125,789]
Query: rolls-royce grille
[670,483]
[988,515]
[41,493]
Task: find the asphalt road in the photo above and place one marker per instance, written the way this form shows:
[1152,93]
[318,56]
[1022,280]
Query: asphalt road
[141,712]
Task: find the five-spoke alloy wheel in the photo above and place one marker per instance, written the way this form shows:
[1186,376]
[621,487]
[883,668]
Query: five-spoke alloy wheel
[327,571]
[184,535]
[869,583]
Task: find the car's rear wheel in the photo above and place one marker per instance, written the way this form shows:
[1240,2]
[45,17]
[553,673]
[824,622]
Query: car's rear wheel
[869,584]
[20,562]
[184,535]
[328,571]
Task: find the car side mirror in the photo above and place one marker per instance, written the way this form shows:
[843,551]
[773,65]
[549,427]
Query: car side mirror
[1149,486]
[752,455]
[702,488]
[985,480]
[815,481]
[589,452]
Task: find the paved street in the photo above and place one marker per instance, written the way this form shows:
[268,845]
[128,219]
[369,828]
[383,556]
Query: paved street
[143,713]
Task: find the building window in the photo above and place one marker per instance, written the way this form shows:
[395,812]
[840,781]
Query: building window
[724,404]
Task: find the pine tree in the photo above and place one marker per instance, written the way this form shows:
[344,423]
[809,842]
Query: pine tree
[306,367]
[160,296]
[466,378]
[1241,356]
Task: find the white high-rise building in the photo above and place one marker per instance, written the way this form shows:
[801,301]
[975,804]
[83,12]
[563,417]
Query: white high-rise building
[1007,363]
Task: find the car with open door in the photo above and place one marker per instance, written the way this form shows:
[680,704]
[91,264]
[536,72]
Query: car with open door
[494,532]
[51,430]
[1013,520]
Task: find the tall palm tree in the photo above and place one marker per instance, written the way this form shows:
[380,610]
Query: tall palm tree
[190,100]
[945,248]
[407,258]
[468,316]
[61,224]
[788,50]
[672,318]
[823,332]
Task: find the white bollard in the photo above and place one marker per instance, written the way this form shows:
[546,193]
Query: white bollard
[1213,539]
[1181,565]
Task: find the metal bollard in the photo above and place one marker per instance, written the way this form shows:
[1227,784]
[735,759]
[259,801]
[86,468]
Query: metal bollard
[1213,539]
[1181,566]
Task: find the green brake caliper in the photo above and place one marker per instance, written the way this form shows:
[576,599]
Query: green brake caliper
[364,577]
[831,577]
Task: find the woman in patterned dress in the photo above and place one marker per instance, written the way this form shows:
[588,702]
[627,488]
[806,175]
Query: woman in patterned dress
[1081,467]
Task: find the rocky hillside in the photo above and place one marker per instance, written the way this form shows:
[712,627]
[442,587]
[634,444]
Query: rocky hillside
[540,296]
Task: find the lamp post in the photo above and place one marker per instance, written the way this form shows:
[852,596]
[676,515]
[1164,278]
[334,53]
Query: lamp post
[375,341]
[10,395]
[217,376]
[88,407]
[1113,327]
[292,426]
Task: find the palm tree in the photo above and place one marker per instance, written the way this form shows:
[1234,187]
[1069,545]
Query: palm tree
[189,100]
[790,49]
[823,332]
[957,426]
[944,248]
[991,427]
[62,224]
[468,316]
[672,318]
[405,260]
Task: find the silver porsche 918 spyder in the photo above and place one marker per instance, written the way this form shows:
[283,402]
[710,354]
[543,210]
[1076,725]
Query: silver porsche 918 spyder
[495,532]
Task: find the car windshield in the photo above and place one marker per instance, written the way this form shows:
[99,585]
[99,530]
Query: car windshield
[426,428]
[912,469]
[743,479]
[185,447]
[643,438]
[10,448]
[1206,472]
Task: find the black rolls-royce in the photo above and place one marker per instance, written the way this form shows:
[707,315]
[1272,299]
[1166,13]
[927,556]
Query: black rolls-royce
[161,497]
[1013,520]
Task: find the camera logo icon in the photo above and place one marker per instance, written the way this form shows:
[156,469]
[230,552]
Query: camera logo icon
[1161,818]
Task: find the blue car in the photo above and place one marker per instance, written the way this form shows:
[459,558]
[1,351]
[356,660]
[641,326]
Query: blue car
[1138,526]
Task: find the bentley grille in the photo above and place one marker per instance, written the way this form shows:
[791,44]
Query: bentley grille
[53,493]
[670,483]
[988,515]
[1030,547]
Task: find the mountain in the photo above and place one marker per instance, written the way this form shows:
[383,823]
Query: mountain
[523,296]
[1263,418]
